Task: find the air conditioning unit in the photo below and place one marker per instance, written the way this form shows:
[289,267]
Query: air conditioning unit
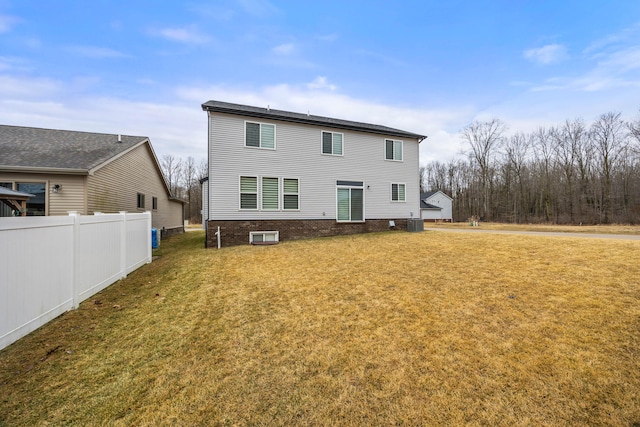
[415,224]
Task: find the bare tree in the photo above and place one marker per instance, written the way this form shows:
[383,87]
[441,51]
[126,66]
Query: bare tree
[423,179]
[567,146]
[609,139]
[172,169]
[516,152]
[484,138]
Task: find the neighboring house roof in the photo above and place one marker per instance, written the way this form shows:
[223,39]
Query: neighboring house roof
[269,113]
[425,205]
[27,149]
[427,194]
[49,150]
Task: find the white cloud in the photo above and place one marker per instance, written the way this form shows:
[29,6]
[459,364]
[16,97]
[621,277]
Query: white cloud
[321,82]
[189,35]
[441,126]
[37,88]
[381,58]
[7,22]
[96,52]
[284,49]
[328,37]
[612,40]
[212,11]
[546,54]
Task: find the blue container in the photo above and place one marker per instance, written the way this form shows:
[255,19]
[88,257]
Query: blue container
[154,238]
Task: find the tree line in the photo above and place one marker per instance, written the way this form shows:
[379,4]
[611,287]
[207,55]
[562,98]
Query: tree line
[183,178]
[571,173]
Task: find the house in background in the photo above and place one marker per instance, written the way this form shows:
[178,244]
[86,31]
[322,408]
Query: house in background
[87,173]
[277,175]
[435,206]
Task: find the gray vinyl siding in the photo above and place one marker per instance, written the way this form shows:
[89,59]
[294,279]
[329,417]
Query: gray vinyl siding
[71,196]
[299,155]
[115,187]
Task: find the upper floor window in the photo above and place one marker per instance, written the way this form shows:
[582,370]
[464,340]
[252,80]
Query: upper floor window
[393,149]
[332,143]
[398,192]
[154,203]
[260,135]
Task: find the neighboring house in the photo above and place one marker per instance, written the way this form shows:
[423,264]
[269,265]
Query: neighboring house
[87,173]
[277,175]
[436,206]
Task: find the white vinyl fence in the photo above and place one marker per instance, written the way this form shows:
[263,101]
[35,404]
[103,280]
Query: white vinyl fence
[49,265]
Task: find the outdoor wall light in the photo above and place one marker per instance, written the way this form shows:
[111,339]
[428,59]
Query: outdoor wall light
[56,188]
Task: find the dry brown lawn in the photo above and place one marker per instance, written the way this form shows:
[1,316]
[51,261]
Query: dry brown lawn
[590,229]
[388,328]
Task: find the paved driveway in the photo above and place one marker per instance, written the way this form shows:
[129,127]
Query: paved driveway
[539,233]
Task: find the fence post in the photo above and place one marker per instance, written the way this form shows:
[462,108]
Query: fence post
[148,228]
[76,253]
[123,245]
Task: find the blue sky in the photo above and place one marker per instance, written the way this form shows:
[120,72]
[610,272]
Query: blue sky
[143,67]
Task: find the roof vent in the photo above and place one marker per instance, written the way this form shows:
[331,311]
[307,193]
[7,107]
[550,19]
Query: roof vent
[268,108]
[119,138]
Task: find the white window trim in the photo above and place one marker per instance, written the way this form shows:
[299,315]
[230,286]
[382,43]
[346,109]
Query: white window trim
[260,147]
[391,192]
[282,193]
[338,187]
[384,146]
[259,207]
[258,195]
[322,143]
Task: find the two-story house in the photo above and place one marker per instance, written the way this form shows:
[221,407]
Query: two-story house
[277,175]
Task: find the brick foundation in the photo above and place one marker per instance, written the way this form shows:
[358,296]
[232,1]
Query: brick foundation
[172,231]
[234,233]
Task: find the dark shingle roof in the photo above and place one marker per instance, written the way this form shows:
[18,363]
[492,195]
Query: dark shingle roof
[269,113]
[26,147]
[427,194]
[425,205]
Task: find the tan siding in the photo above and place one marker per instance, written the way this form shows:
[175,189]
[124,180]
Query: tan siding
[71,196]
[115,187]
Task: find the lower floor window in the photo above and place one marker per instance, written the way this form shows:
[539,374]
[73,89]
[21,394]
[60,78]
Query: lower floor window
[398,193]
[140,202]
[269,193]
[36,206]
[350,205]
[263,237]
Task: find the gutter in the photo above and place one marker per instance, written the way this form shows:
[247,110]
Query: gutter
[59,171]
